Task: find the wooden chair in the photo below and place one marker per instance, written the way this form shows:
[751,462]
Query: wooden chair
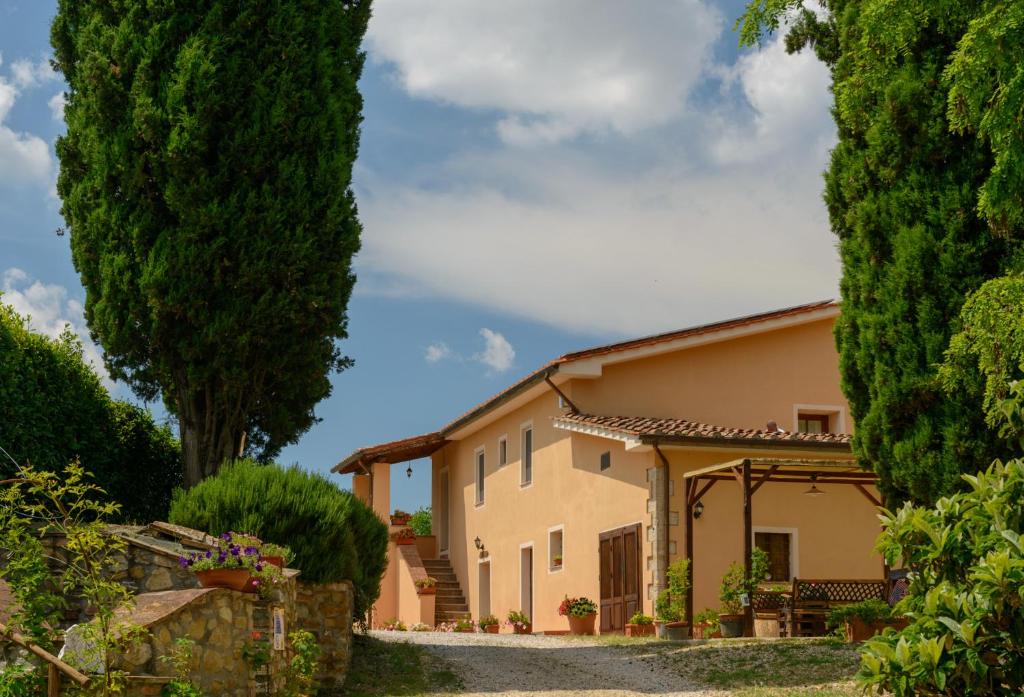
[812,599]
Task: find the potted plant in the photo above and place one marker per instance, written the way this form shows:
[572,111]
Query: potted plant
[705,624]
[490,624]
[736,592]
[556,561]
[394,625]
[640,625]
[426,586]
[464,626]
[230,565]
[670,605]
[405,536]
[581,613]
[863,620]
[519,622]
[278,555]
[400,517]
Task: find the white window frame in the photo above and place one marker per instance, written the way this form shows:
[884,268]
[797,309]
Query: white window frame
[523,428]
[794,546]
[479,477]
[551,557]
[502,441]
[839,412]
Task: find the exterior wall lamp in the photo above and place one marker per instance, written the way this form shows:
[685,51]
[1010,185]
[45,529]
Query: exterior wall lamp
[698,510]
[408,471]
[478,543]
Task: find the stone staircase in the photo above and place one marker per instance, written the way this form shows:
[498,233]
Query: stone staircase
[450,603]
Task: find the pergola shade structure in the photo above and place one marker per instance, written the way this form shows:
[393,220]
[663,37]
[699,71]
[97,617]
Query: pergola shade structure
[753,473]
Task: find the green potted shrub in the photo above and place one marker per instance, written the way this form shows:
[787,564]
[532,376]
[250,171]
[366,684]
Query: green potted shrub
[278,555]
[640,625]
[705,624]
[464,626]
[736,592]
[426,586]
[490,624]
[394,625]
[670,605]
[519,622]
[581,613]
[863,620]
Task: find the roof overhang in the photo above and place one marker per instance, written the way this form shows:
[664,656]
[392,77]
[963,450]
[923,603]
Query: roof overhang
[398,451]
[773,469]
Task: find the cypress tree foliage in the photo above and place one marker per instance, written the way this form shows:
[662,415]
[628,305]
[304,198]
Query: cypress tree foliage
[915,239]
[334,535]
[205,178]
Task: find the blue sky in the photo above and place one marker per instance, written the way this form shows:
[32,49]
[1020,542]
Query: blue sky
[534,178]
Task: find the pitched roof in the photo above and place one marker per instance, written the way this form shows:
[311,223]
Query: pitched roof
[407,449]
[396,451]
[652,430]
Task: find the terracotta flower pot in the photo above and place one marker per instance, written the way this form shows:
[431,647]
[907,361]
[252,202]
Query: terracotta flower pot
[274,560]
[639,630]
[405,540]
[582,626]
[732,625]
[468,630]
[492,628]
[399,520]
[427,590]
[235,579]
[528,629]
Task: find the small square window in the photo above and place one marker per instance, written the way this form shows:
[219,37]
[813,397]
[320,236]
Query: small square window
[813,423]
[606,460]
[555,560]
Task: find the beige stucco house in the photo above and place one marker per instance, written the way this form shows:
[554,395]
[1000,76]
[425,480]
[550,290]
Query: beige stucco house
[591,474]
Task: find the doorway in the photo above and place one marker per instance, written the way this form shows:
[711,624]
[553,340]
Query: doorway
[484,588]
[526,579]
[442,511]
[620,576]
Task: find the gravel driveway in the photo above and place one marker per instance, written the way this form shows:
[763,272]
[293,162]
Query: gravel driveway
[492,665]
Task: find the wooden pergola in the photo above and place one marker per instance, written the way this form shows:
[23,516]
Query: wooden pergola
[753,473]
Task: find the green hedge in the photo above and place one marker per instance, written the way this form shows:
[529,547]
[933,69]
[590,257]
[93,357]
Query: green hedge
[334,535]
[53,409]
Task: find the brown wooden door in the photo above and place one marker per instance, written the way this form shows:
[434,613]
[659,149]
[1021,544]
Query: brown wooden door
[620,576]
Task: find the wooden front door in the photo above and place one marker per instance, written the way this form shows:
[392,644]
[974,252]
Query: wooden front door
[620,577]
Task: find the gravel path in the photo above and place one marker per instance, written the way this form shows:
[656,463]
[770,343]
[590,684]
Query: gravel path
[492,665]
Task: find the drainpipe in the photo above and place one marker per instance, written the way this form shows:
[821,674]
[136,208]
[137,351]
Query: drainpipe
[661,523]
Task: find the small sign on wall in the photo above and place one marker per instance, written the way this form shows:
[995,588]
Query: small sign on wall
[279,629]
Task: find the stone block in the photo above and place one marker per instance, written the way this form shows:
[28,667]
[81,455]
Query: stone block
[158,580]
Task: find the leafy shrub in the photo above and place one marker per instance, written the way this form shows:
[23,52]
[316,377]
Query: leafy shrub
[518,619]
[54,409]
[641,618]
[394,625]
[421,522]
[708,617]
[670,605]
[489,621]
[966,583]
[333,535]
[735,583]
[867,611]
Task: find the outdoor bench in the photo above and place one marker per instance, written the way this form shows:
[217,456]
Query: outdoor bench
[811,600]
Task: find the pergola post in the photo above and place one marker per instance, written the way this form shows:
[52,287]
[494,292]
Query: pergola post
[748,548]
[688,491]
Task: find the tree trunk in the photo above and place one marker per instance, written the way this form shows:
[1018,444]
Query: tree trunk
[211,432]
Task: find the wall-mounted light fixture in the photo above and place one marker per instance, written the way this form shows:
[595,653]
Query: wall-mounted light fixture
[698,510]
[478,543]
[408,471]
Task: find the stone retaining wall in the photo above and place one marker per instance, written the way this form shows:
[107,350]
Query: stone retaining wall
[326,611]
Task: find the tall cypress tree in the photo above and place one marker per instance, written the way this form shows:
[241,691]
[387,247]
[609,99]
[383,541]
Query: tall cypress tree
[205,178]
[902,191]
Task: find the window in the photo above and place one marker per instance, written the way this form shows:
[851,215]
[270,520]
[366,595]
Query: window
[479,476]
[502,451]
[555,549]
[606,460]
[813,423]
[777,545]
[527,459]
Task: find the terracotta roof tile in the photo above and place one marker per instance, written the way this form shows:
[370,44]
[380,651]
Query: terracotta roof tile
[652,428]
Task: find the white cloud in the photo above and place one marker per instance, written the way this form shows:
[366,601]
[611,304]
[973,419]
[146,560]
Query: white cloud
[49,311]
[714,214]
[25,73]
[498,354]
[437,352]
[558,69]
[24,158]
[56,104]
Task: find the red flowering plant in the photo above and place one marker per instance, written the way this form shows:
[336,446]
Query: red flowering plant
[577,607]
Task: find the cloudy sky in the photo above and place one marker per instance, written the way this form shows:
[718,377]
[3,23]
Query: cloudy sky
[535,177]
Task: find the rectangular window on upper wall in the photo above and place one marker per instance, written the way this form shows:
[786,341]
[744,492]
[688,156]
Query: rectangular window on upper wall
[527,458]
[502,451]
[606,460]
[480,476]
[813,423]
[555,549]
